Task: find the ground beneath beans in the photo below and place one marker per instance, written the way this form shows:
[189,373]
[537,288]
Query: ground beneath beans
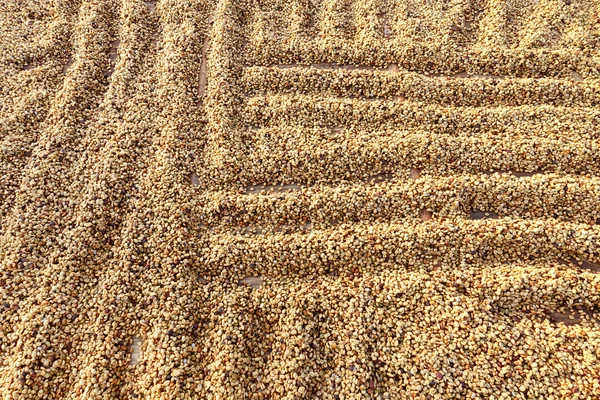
[300,199]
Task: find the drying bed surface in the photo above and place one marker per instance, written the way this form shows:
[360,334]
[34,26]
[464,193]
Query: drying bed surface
[332,199]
